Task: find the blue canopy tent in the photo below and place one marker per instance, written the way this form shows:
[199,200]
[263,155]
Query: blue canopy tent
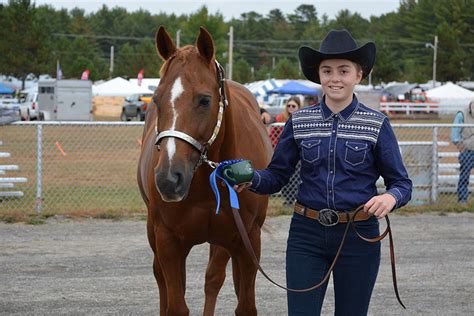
[5,89]
[294,87]
[260,88]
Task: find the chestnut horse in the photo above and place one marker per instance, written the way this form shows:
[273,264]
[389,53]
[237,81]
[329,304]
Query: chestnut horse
[199,117]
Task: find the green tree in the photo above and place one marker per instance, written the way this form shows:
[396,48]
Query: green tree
[24,46]
[248,34]
[125,64]
[147,59]
[353,22]
[83,56]
[242,71]
[214,24]
[286,70]
[305,22]
[33,38]
[263,73]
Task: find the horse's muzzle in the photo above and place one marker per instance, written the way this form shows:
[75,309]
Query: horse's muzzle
[173,185]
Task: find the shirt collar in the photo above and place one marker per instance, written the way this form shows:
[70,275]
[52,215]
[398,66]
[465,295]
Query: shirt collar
[344,114]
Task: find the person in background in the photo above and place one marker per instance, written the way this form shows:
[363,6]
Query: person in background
[292,105]
[312,100]
[344,147]
[290,190]
[463,138]
[266,117]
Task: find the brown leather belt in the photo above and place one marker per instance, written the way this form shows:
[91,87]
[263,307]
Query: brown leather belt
[328,217]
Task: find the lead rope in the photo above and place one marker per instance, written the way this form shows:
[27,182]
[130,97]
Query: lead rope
[388,231]
[350,222]
[248,246]
[234,203]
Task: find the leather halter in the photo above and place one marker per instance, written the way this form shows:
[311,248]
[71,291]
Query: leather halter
[201,147]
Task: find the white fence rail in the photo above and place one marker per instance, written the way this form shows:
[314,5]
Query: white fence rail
[9,182]
[407,108]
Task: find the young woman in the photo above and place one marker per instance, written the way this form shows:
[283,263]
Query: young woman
[344,147]
[292,105]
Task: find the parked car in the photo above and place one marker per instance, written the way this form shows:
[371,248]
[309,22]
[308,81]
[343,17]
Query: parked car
[9,102]
[277,105]
[9,109]
[135,106]
[29,107]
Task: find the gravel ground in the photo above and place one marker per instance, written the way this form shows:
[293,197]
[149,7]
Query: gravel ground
[101,267]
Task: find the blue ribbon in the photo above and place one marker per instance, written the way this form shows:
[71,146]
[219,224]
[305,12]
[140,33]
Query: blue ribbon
[217,173]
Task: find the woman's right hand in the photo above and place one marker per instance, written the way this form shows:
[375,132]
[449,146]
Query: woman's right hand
[460,146]
[243,186]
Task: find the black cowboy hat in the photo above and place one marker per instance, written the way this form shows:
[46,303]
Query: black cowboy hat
[336,45]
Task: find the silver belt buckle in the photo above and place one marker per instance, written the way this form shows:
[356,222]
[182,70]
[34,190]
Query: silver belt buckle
[328,217]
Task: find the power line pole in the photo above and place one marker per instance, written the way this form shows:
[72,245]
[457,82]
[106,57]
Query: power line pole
[434,59]
[231,49]
[435,53]
[111,69]
[178,38]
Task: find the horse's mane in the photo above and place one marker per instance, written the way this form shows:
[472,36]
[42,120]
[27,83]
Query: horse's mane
[182,55]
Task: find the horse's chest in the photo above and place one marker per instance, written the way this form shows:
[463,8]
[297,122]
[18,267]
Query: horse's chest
[186,224]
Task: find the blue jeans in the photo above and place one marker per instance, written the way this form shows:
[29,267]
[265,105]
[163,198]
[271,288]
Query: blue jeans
[310,251]
[466,162]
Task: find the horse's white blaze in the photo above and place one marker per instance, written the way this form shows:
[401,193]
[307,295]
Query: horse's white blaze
[176,91]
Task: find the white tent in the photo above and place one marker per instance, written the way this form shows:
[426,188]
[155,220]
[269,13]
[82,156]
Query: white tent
[449,91]
[451,97]
[118,87]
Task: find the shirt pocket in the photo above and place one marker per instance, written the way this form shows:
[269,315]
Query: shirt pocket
[355,152]
[310,150]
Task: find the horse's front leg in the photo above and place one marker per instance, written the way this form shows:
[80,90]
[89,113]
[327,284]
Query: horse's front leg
[215,277]
[172,259]
[157,271]
[244,274]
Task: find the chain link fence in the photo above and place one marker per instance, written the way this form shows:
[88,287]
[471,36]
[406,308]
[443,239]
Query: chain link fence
[70,168]
[89,168]
[432,162]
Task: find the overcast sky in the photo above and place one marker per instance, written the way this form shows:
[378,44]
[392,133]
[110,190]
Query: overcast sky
[232,8]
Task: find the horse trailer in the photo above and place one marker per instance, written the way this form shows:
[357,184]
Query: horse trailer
[65,100]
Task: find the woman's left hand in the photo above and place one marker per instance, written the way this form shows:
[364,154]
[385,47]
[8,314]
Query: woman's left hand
[380,205]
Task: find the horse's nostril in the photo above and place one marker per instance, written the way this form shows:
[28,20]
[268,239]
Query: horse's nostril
[174,181]
[178,180]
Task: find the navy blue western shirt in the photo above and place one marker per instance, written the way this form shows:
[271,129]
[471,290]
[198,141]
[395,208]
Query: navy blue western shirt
[342,157]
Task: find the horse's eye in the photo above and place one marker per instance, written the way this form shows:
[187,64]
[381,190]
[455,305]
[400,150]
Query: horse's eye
[204,100]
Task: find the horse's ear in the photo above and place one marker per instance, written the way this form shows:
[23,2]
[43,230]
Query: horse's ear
[164,44]
[205,44]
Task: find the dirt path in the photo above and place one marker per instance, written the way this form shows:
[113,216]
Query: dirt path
[100,267]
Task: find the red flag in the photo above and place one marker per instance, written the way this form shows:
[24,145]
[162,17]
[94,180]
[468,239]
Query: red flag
[85,74]
[140,76]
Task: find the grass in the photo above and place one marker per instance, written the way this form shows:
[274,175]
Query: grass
[97,176]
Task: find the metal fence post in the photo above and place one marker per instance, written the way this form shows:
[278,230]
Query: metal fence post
[434,167]
[39,167]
